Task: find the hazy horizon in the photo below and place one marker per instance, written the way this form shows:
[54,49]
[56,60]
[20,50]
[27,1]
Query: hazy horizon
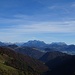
[37,40]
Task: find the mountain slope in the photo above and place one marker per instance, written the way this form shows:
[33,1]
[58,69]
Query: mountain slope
[32,52]
[21,64]
[7,70]
[51,55]
[13,46]
[64,65]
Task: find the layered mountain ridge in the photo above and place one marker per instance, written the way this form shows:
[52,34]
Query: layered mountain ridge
[53,59]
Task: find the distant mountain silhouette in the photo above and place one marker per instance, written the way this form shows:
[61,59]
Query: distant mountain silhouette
[57,46]
[42,46]
[58,43]
[70,48]
[2,44]
[35,43]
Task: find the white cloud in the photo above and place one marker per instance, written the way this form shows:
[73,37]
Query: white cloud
[43,27]
[19,27]
[57,27]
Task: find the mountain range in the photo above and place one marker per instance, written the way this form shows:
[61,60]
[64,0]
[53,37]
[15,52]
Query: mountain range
[37,58]
[42,46]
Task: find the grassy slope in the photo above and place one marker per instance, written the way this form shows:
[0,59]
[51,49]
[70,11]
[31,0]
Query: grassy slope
[7,70]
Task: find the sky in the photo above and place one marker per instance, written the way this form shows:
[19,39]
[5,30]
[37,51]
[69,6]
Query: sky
[45,20]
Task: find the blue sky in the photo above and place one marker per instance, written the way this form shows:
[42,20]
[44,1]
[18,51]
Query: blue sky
[46,20]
